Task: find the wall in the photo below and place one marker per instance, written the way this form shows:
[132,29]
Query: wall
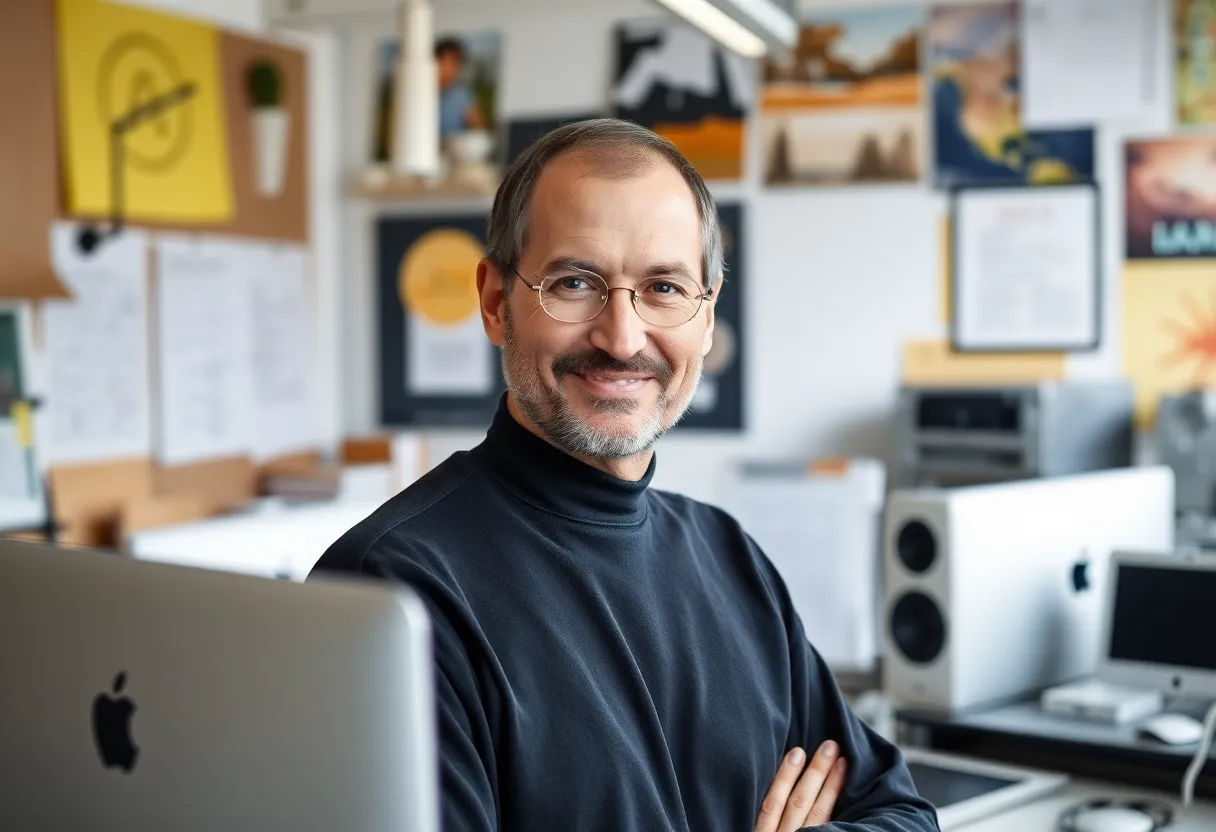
[838,278]
[238,14]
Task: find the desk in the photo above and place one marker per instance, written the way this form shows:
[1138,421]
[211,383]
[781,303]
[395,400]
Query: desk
[1040,816]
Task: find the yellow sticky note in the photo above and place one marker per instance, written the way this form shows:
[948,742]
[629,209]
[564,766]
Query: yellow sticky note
[935,363]
[1169,330]
[23,420]
[115,60]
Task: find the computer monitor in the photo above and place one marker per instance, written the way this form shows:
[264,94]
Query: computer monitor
[144,696]
[1158,623]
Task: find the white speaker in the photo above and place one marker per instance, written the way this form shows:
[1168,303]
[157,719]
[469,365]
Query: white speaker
[993,592]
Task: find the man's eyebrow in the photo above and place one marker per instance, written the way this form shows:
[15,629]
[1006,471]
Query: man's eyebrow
[672,268]
[566,264]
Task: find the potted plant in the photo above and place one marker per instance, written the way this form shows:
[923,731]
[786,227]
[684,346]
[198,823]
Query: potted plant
[271,126]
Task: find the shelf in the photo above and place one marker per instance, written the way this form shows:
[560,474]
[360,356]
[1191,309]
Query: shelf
[390,187]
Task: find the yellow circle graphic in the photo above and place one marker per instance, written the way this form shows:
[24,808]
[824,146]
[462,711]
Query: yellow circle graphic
[437,279]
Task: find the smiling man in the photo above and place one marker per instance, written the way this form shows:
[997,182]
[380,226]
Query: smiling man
[608,656]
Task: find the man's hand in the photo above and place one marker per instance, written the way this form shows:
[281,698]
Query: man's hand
[801,794]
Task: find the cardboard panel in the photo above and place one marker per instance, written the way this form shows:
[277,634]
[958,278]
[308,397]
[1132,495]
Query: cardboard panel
[221,484]
[150,512]
[29,166]
[86,500]
[285,215]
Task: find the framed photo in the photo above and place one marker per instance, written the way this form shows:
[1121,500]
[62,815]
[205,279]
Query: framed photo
[1026,268]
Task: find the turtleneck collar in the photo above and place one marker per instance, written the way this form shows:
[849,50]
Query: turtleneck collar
[554,481]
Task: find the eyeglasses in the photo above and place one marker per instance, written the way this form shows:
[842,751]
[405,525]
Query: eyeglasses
[574,296]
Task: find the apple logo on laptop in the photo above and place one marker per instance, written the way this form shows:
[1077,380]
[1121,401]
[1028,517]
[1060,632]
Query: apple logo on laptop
[112,727]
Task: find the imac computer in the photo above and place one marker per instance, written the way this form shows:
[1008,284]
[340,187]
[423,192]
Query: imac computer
[1157,629]
[144,696]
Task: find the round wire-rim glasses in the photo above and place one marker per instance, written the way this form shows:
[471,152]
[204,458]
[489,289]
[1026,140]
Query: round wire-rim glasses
[575,296]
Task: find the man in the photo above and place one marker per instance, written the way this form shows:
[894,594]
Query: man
[457,105]
[609,657]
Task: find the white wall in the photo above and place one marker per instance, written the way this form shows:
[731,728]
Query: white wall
[238,14]
[837,279]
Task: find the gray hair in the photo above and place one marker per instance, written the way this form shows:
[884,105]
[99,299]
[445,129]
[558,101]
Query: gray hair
[619,149]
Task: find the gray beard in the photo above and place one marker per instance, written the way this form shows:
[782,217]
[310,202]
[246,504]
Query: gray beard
[551,412]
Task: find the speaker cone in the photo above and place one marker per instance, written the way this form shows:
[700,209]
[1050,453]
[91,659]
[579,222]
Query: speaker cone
[916,546]
[917,627]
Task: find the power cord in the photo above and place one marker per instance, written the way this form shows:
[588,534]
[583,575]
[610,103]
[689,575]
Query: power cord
[1200,758]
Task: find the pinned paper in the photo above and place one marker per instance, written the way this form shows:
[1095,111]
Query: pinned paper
[115,60]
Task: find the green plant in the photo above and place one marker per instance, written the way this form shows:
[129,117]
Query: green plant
[265,84]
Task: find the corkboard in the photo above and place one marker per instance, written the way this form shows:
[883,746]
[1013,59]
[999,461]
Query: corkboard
[29,148]
[285,216]
[29,163]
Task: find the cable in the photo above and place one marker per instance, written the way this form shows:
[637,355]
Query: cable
[1201,757]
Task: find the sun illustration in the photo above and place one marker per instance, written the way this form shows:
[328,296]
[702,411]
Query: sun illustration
[1194,338]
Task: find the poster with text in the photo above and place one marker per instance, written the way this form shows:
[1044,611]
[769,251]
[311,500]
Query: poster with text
[1195,54]
[718,403]
[679,83]
[437,368]
[978,133]
[1170,193]
[849,107]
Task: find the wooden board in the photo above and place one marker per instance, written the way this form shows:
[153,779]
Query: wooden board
[86,500]
[29,163]
[221,484]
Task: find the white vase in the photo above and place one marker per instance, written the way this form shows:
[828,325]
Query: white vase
[271,129]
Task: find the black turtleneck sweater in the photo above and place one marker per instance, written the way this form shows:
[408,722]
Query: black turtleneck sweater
[609,656]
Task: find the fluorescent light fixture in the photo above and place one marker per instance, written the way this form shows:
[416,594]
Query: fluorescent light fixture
[752,28]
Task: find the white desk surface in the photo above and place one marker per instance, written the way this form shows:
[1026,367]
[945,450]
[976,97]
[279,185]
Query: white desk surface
[1041,815]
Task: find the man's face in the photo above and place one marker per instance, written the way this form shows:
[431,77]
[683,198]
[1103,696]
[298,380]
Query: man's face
[449,67]
[609,387]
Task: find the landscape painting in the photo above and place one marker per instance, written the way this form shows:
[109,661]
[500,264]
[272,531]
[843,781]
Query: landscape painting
[848,107]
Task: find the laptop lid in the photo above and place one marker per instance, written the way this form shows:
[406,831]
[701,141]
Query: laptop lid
[142,696]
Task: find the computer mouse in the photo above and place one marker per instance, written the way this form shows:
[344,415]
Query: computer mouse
[1112,819]
[1171,729]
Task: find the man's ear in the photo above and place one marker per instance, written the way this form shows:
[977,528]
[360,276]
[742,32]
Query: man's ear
[490,289]
[708,341]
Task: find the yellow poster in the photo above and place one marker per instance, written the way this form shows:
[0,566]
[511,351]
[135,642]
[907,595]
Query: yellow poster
[150,83]
[1169,330]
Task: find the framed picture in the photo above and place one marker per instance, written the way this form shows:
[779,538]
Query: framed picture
[1026,270]
[437,368]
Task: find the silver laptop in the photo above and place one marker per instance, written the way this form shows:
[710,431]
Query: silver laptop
[140,696]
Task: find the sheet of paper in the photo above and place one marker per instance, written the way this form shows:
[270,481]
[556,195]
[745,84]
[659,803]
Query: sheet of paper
[17,477]
[282,351]
[204,379]
[821,533]
[115,59]
[448,359]
[1086,61]
[98,402]
[1026,272]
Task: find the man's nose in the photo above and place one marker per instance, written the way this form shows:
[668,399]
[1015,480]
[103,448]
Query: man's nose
[618,330]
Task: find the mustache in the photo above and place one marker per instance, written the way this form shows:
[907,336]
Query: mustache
[599,361]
